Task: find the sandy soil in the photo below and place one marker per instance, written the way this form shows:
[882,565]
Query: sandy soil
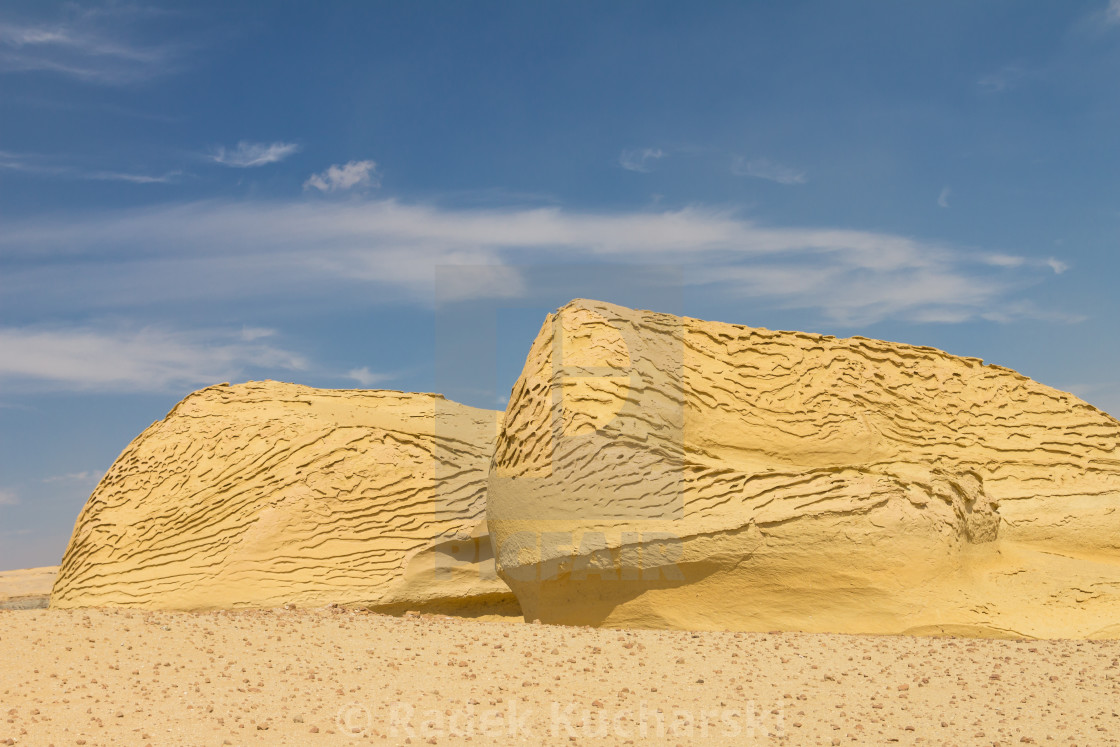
[336,677]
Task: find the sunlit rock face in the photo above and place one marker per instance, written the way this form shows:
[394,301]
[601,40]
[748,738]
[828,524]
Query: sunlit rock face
[660,471]
[264,494]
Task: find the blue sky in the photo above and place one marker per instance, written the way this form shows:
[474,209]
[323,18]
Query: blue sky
[387,194]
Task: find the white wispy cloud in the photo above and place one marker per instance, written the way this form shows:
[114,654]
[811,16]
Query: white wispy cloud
[98,46]
[368,379]
[84,477]
[146,359]
[764,168]
[1004,79]
[387,251]
[121,176]
[640,159]
[943,198]
[249,334]
[1057,265]
[248,155]
[1112,13]
[8,498]
[347,176]
[998,259]
[1015,309]
[53,167]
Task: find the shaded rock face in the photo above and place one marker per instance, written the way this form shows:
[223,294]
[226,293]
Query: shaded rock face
[659,471]
[264,494]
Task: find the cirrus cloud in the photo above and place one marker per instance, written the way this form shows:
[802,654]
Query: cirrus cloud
[109,46]
[53,166]
[764,168]
[368,379]
[347,176]
[388,251]
[640,159]
[249,155]
[91,358]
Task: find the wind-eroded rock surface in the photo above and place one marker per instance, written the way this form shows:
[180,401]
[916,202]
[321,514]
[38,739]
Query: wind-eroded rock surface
[660,471]
[263,494]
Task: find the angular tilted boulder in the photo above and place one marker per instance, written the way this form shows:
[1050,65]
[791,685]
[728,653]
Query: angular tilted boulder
[264,494]
[660,471]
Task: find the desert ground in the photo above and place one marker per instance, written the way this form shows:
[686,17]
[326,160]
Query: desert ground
[334,676]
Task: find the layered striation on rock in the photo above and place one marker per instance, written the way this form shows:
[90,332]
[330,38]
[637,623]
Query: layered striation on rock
[263,494]
[660,471]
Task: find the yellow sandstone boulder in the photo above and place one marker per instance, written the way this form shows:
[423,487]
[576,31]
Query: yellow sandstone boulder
[264,494]
[659,471]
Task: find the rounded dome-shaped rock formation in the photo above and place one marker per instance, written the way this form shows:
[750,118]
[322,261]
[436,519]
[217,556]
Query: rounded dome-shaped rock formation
[661,471]
[264,494]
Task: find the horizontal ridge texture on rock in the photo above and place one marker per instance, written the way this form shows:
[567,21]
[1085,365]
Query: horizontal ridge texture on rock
[263,494]
[661,471]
